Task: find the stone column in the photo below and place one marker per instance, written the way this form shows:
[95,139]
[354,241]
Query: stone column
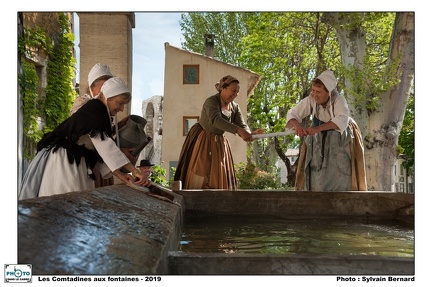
[106,37]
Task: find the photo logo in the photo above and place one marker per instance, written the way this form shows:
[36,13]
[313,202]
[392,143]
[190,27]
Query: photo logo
[18,273]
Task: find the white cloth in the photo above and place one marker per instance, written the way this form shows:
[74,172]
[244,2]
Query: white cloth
[114,87]
[328,161]
[337,111]
[32,180]
[98,71]
[112,156]
[59,176]
[328,79]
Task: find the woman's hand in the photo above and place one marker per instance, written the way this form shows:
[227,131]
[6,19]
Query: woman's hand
[312,130]
[299,129]
[125,177]
[139,177]
[244,134]
[324,127]
[258,131]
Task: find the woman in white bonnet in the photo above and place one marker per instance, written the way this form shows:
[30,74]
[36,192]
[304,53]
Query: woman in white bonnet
[332,154]
[97,76]
[67,155]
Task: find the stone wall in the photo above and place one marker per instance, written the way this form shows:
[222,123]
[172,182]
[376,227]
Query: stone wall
[106,38]
[152,112]
[111,230]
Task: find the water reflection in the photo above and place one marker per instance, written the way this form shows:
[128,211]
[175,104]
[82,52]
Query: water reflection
[273,235]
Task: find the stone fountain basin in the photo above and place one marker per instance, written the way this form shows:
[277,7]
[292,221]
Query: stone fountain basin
[295,204]
[118,230]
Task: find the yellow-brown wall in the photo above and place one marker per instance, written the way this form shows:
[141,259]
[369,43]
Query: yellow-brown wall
[187,99]
[106,38]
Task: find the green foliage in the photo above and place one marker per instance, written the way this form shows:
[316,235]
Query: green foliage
[368,86]
[252,177]
[373,74]
[289,49]
[406,136]
[34,41]
[28,83]
[53,103]
[60,93]
[228,28]
[30,44]
[173,171]
[158,176]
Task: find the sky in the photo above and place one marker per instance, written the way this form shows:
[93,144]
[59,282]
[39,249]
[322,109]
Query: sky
[151,31]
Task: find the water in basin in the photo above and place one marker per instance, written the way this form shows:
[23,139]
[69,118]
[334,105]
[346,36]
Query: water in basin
[274,235]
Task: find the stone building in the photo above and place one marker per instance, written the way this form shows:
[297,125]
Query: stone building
[49,23]
[152,112]
[106,37]
[189,79]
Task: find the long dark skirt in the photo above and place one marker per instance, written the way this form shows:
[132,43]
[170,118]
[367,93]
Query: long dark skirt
[206,161]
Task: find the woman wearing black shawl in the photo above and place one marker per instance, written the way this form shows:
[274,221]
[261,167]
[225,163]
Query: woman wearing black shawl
[67,155]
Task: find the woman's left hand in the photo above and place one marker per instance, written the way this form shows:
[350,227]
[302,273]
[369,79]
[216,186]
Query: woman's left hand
[138,177]
[125,177]
[312,130]
[258,131]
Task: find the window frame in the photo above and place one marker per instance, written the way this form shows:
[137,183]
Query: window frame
[186,75]
[186,126]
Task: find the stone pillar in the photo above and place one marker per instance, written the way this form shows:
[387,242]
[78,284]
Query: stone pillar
[106,37]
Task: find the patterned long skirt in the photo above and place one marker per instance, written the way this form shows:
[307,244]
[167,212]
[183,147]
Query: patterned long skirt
[334,162]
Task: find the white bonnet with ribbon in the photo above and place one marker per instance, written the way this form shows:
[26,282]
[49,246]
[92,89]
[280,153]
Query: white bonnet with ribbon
[98,71]
[114,87]
[328,79]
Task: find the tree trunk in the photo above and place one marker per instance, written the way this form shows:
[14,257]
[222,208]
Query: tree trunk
[386,125]
[290,169]
[381,127]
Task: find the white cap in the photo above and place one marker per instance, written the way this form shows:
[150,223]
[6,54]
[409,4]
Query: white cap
[328,79]
[98,71]
[114,87]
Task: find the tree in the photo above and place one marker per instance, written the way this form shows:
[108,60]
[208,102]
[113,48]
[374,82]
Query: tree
[271,44]
[371,56]
[228,29]
[284,48]
[406,136]
[378,92]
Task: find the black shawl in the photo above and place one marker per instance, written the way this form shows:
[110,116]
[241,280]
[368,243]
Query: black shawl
[92,119]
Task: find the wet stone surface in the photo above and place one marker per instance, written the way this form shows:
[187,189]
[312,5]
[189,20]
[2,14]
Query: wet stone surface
[119,230]
[110,230]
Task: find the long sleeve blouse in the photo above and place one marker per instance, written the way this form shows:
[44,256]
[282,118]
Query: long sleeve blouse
[336,111]
[213,120]
[86,133]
